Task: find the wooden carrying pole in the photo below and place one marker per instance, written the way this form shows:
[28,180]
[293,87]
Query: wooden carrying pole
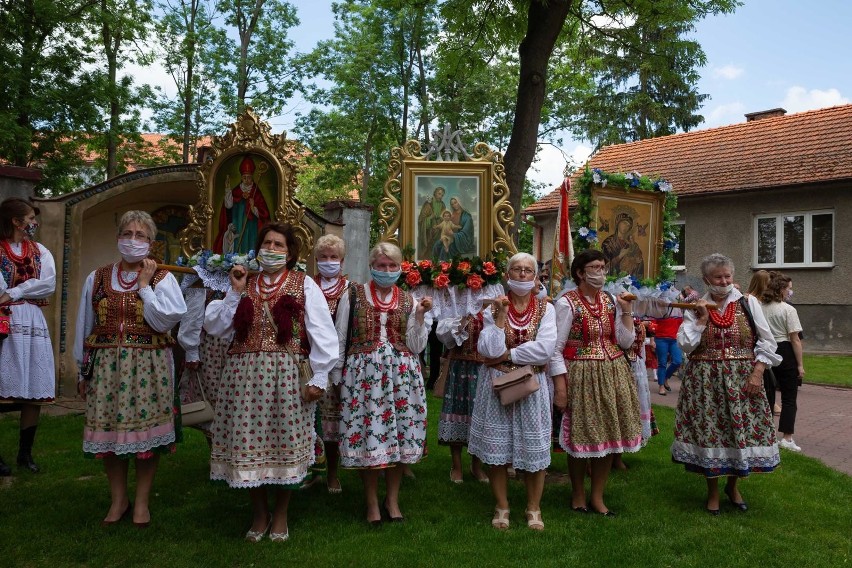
[681,305]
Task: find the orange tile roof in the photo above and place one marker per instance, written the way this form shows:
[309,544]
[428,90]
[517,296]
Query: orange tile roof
[802,148]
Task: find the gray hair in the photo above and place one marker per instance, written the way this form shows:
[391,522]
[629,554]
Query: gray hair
[520,257]
[714,261]
[141,217]
[389,250]
[332,243]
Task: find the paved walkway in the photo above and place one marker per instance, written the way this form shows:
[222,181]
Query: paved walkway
[823,422]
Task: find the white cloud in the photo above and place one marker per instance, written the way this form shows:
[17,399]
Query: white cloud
[729,72]
[550,163]
[799,99]
[722,115]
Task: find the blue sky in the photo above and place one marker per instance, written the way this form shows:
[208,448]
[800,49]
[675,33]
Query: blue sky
[792,54]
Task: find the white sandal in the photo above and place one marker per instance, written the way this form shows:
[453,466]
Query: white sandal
[501,519]
[534,520]
[279,537]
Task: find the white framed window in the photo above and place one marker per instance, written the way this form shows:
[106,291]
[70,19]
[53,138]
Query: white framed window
[799,239]
[679,258]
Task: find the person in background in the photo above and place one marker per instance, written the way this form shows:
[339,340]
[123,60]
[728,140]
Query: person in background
[723,423]
[381,330]
[784,322]
[264,431]
[669,355]
[127,377]
[329,252]
[27,280]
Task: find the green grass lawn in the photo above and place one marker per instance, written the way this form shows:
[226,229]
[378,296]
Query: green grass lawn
[799,516]
[828,370]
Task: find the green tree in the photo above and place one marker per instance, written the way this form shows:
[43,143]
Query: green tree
[46,94]
[256,70]
[185,33]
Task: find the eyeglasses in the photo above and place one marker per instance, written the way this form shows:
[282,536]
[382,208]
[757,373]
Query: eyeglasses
[522,271]
[138,236]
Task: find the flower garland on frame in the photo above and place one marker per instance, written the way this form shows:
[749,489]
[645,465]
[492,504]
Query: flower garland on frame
[587,238]
[461,273]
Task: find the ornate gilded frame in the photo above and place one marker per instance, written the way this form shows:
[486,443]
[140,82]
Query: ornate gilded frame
[398,209]
[250,136]
[645,209]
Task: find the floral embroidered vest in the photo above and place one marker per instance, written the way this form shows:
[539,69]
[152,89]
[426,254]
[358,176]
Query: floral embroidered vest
[263,332]
[17,271]
[334,299]
[366,324]
[735,341]
[467,351]
[592,335]
[119,316]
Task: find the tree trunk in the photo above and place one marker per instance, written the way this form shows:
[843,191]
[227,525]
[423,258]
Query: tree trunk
[544,23]
[246,30]
[112,41]
[24,137]
[190,69]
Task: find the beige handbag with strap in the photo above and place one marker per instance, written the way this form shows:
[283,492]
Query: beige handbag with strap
[516,384]
[197,412]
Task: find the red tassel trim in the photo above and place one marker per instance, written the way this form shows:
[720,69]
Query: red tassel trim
[243,318]
[286,312]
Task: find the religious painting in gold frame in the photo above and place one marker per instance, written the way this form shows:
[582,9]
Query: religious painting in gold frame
[629,229]
[441,210]
[246,181]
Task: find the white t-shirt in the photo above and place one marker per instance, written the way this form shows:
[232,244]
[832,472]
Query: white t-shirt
[782,319]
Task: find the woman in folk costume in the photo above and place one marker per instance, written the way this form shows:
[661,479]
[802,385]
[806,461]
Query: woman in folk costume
[329,252]
[460,336]
[263,432]
[127,371]
[519,331]
[205,353]
[382,395]
[723,422]
[593,381]
[27,280]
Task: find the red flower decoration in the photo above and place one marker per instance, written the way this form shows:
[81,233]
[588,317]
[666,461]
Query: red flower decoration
[406,266]
[464,266]
[445,266]
[413,278]
[441,281]
[489,269]
[425,265]
[475,282]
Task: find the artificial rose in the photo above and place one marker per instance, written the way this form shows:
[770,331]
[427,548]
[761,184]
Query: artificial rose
[406,266]
[489,269]
[441,281]
[464,267]
[413,278]
[445,266]
[425,265]
[475,282]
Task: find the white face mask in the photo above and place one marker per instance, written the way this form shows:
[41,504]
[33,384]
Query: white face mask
[595,279]
[328,268]
[720,290]
[271,261]
[521,288]
[133,251]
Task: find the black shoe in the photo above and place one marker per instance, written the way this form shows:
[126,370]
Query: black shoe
[5,470]
[399,519]
[608,513]
[742,505]
[26,461]
[580,509]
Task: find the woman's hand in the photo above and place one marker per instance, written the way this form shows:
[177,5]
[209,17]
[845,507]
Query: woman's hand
[560,392]
[146,272]
[423,306]
[754,384]
[238,277]
[312,393]
[5,298]
[81,389]
[801,370]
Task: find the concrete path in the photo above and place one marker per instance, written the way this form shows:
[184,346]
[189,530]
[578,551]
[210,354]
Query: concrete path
[823,421]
